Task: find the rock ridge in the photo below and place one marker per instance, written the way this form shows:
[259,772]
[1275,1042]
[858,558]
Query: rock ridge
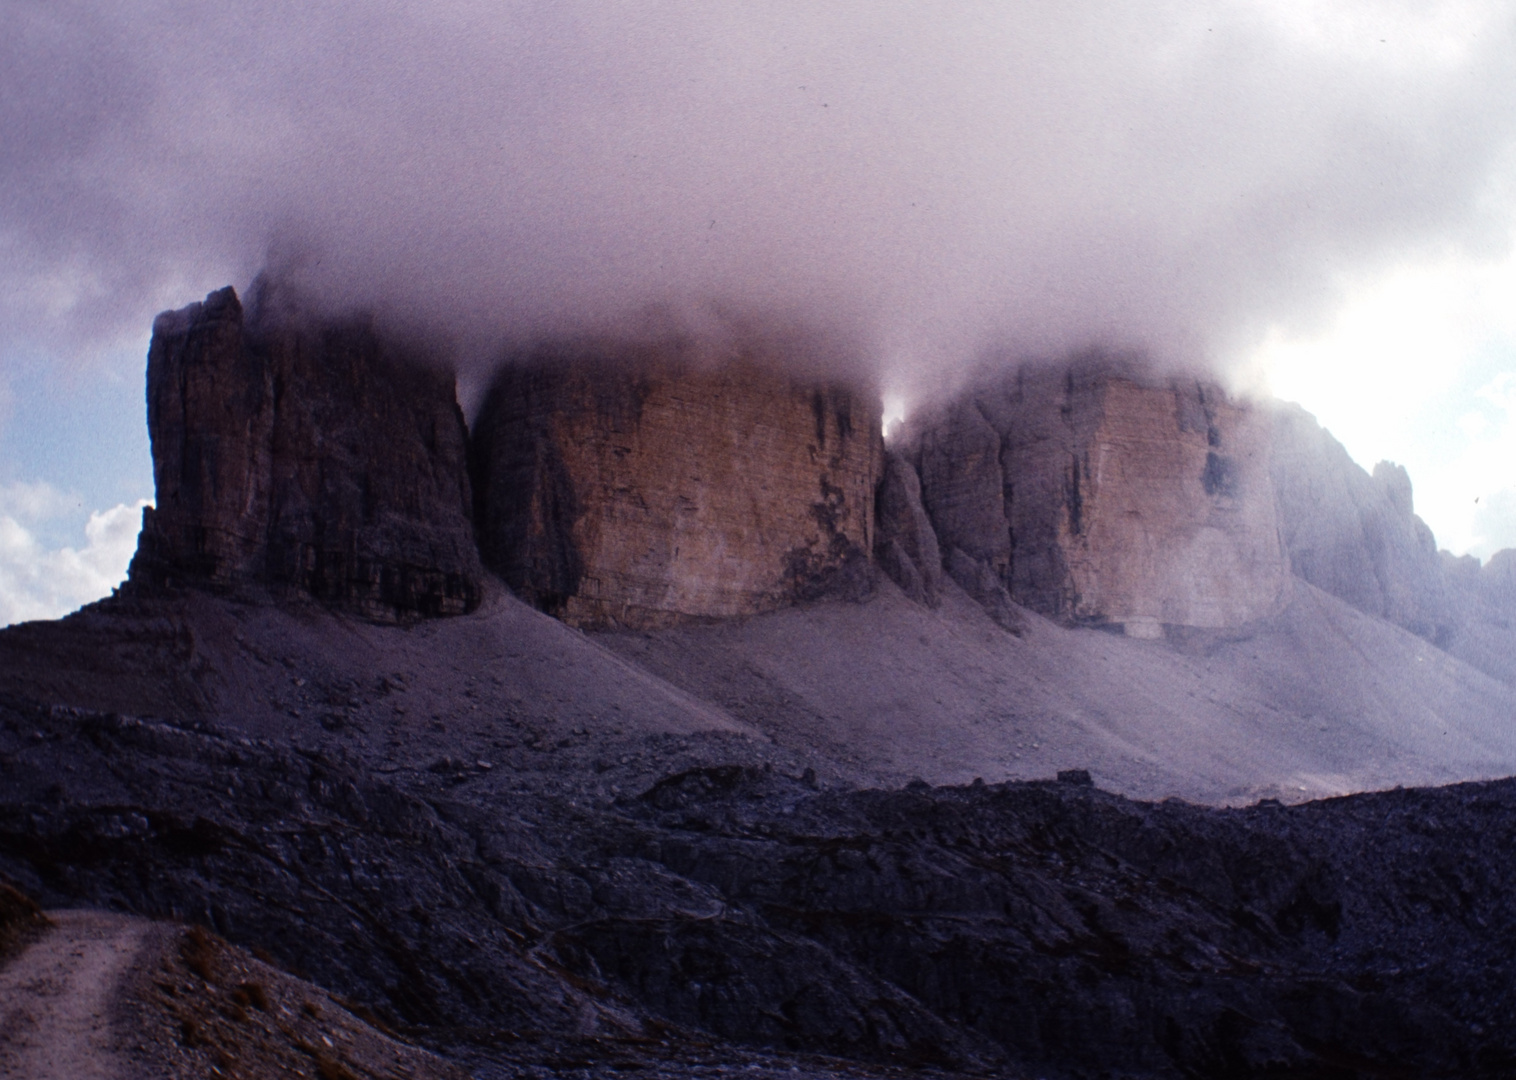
[1354,534]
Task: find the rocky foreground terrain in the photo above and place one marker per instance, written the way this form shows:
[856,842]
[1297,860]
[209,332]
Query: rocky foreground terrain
[519,924]
[97,993]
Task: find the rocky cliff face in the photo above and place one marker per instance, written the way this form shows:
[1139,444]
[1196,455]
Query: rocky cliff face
[1101,496]
[1483,599]
[1356,535]
[310,460]
[629,486]
[623,487]
[905,544]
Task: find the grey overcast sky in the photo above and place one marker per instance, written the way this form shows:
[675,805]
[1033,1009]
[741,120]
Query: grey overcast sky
[1310,197]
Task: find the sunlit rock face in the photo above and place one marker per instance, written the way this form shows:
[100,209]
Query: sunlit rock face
[1099,495]
[629,486]
[311,459]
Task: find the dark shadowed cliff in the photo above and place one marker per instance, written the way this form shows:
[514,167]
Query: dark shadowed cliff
[313,459]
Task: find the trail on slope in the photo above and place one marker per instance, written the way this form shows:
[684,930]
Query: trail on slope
[57,998]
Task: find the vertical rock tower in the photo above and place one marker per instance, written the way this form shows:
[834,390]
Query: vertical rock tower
[630,486]
[1099,495]
[1356,534]
[298,458]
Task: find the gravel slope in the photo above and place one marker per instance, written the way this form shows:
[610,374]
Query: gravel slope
[1320,700]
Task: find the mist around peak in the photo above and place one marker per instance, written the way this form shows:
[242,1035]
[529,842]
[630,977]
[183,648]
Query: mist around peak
[925,185]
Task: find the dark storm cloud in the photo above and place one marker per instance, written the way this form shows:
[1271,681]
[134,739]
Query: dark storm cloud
[924,180]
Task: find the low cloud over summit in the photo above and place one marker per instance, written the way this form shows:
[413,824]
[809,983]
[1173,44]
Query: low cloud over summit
[928,182]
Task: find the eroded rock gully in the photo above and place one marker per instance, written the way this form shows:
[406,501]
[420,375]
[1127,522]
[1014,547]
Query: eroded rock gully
[1045,929]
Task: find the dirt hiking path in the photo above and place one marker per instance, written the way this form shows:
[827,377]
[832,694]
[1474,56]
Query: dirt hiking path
[57,999]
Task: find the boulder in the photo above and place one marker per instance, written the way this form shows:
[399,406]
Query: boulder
[632,486]
[293,457]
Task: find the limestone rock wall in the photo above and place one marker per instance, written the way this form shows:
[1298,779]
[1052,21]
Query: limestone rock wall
[308,459]
[626,487]
[1102,496]
[210,415]
[905,544]
[1482,601]
[1356,535]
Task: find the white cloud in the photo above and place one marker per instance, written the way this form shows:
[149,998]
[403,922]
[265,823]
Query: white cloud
[1419,367]
[936,179]
[34,502]
[39,581]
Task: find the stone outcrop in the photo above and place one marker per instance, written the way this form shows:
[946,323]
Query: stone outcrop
[1102,496]
[627,486]
[1355,535]
[318,460]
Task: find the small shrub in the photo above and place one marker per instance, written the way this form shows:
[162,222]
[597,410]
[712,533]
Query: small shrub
[255,995]
[21,920]
[199,952]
